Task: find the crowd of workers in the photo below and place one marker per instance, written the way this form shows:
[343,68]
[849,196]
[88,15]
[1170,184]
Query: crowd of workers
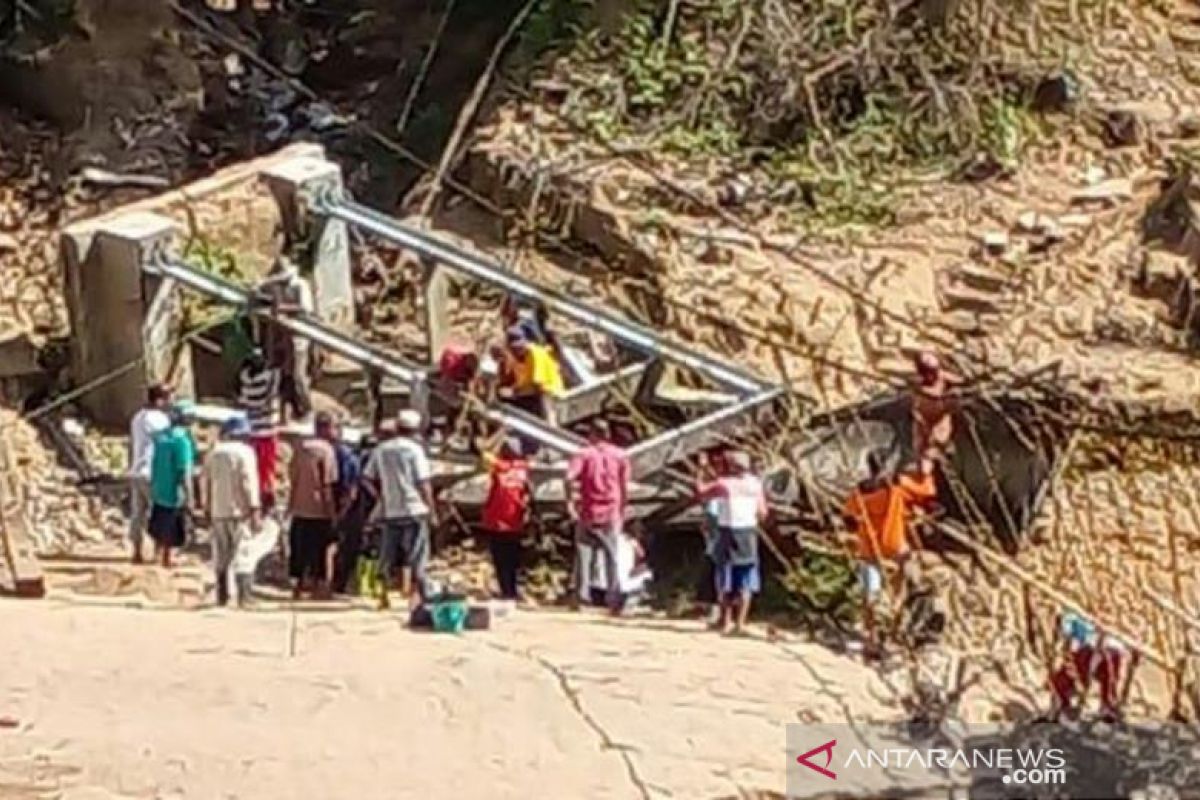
[341,498]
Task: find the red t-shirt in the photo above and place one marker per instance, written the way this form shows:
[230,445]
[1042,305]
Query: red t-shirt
[508,496]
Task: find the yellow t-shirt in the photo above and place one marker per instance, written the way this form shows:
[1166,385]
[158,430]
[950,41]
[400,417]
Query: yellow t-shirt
[538,370]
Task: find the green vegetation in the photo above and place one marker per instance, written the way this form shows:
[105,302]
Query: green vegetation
[816,590]
[203,254]
[845,98]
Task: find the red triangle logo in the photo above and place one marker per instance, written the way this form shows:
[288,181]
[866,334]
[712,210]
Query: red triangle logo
[827,749]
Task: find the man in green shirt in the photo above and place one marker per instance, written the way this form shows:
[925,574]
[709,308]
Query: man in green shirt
[171,492]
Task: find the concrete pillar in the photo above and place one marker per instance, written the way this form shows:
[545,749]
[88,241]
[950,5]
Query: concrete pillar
[108,298]
[296,183]
[436,284]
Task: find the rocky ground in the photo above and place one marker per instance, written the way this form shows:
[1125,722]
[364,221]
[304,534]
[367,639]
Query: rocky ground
[1063,253]
[1045,261]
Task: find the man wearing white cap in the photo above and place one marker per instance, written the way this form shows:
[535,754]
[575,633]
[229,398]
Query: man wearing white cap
[231,489]
[398,474]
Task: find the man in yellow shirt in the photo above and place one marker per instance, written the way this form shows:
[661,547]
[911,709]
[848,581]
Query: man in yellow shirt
[531,376]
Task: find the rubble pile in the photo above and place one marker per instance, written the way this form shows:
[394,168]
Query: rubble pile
[60,515]
[31,209]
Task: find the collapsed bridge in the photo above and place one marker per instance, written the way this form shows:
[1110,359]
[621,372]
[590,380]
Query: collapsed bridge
[126,274]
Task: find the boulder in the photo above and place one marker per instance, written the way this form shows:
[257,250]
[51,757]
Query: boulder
[1120,128]
[1171,219]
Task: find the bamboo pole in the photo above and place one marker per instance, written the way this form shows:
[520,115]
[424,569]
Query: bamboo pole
[1058,597]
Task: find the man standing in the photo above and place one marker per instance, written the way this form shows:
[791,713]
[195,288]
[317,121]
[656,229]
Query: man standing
[398,473]
[741,509]
[597,488]
[258,396]
[289,294]
[148,422]
[231,482]
[313,508]
[506,513]
[933,407]
[879,510]
[171,489]
[345,495]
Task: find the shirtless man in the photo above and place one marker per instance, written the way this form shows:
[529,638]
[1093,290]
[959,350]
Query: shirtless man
[933,407]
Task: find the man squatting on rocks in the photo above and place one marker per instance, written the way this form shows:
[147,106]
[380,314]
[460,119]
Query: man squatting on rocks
[231,490]
[151,420]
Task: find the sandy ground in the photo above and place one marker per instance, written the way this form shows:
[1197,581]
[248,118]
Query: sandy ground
[125,702]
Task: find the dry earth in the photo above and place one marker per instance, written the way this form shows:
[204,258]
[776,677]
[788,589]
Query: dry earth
[116,702]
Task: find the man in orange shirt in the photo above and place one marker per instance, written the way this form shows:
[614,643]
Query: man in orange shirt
[879,510]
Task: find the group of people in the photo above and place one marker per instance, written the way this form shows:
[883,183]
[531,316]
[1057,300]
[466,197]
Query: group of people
[527,368]
[881,509]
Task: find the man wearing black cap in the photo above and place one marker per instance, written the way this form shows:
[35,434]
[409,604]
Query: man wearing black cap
[289,294]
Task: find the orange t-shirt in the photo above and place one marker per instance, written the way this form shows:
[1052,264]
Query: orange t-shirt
[883,515]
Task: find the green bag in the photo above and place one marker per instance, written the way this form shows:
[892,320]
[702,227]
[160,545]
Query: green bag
[366,577]
[449,616]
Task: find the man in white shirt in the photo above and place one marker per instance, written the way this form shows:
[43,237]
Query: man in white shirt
[148,422]
[398,475]
[741,506]
[231,488]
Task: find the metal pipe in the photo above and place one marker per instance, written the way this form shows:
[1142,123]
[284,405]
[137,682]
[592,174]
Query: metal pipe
[313,330]
[654,453]
[460,260]
[362,354]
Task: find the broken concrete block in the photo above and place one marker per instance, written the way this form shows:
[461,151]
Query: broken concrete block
[1031,222]
[1159,274]
[994,242]
[964,299]
[18,356]
[977,278]
[1108,192]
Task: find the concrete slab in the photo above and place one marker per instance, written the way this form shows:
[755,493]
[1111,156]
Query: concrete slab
[108,297]
[287,704]
[297,183]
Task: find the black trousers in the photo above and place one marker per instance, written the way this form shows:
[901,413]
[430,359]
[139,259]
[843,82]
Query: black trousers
[506,558]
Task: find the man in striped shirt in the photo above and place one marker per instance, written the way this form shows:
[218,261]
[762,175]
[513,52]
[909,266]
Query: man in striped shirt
[258,396]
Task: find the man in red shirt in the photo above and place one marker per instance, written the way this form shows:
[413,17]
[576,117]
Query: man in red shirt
[597,495]
[506,513]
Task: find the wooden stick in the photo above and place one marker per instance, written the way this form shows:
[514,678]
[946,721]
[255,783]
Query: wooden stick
[1058,597]
[472,105]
